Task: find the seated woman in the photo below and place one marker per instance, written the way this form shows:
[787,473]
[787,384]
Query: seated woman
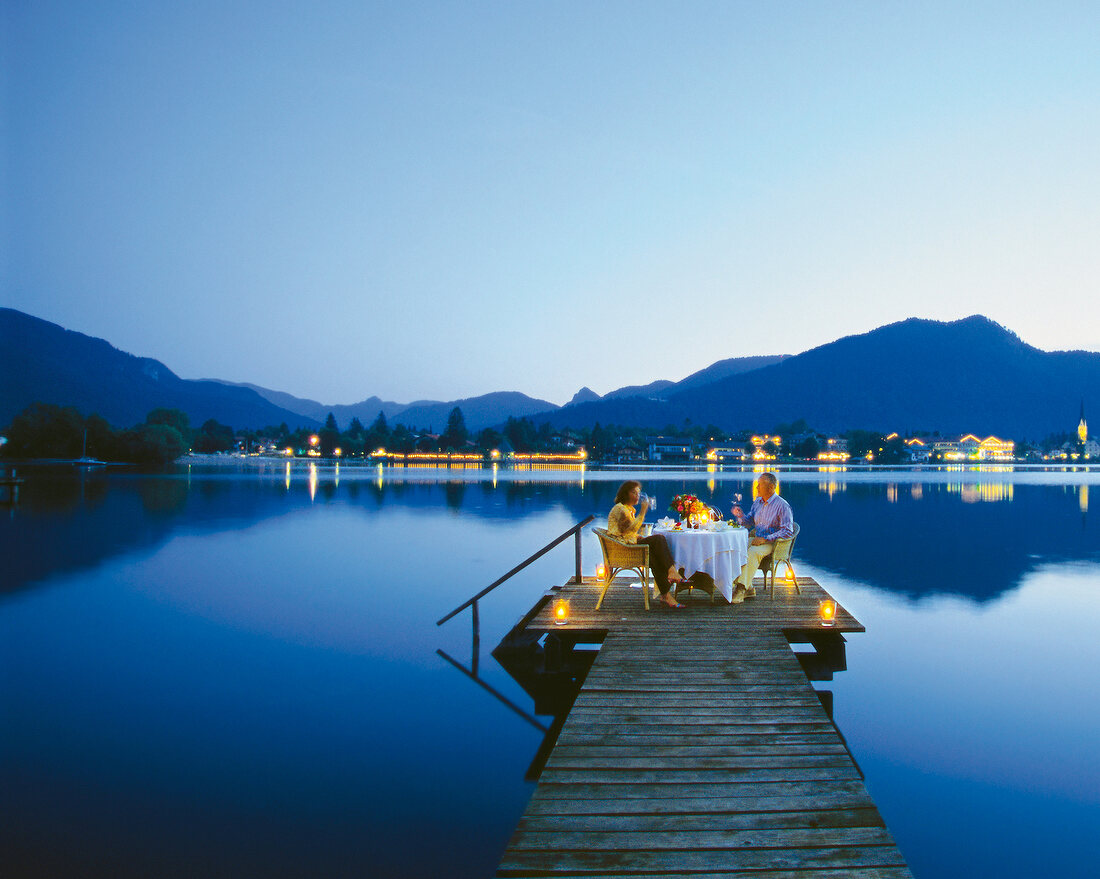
[624,524]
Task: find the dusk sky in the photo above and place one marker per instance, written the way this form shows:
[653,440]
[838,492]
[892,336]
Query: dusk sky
[440,200]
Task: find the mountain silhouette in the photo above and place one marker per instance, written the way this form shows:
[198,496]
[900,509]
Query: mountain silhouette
[965,376]
[42,362]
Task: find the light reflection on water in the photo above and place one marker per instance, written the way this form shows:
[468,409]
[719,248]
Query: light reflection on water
[257,651]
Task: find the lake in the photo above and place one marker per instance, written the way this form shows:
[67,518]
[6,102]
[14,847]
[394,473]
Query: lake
[235,671]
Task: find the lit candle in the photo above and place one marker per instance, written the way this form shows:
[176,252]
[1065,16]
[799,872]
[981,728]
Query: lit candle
[828,612]
[561,611]
[790,574]
[601,572]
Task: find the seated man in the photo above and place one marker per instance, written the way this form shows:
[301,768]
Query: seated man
[772,518]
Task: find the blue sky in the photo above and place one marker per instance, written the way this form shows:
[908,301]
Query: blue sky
[441,200]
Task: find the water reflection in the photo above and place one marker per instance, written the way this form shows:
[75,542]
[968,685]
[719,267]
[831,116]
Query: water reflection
[968,717]
[983,492]
[977,537]
[252,659]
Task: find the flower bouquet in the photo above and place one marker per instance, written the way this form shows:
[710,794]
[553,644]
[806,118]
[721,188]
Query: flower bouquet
[688,507]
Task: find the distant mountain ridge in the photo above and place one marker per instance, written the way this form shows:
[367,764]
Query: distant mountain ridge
[969,375]
[366,410]
[43,362]
[486,410]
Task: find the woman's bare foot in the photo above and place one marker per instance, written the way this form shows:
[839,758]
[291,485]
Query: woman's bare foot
[677,575]
[670,600]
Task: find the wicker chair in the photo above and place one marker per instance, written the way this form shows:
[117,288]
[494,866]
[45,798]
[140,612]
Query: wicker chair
[781,554]
[618,555]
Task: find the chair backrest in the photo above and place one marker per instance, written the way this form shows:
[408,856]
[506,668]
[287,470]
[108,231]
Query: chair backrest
[784,547]
[618,553]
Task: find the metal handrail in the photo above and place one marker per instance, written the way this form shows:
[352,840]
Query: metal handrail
[575,530]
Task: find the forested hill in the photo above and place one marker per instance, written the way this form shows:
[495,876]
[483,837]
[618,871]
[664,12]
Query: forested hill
[965,376]
[42,362]
[969,375]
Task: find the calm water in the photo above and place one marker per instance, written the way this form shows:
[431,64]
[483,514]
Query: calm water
[225,673]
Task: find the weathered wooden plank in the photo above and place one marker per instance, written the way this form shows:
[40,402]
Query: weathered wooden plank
[710,838]
[700,736]
[699,804]
[624,762]
[664,703]
[656,823]
[627,747]
[747,682]
[662,714]
[817,873]
[670,775]
[687,860]
[728,788]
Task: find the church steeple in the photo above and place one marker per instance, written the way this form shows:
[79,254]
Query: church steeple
[1082,428]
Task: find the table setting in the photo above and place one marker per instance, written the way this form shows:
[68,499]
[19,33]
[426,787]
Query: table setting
[702,544]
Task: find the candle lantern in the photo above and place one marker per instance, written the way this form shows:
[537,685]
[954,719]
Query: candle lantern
[601,572]
[561,611]
[789,577]
[827,609]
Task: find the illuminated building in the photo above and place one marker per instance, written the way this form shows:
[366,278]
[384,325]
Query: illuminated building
[917,450]
[836,449]
[728,454]
[760,454]
[661,448]
[760,441]
[970,448]
[549,457]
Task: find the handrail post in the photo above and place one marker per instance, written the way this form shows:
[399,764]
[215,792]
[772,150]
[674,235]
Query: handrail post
[577,541]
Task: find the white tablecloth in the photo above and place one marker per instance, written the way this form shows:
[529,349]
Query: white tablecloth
[719,553]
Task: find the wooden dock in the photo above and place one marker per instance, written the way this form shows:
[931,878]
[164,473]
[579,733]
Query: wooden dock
[697,746]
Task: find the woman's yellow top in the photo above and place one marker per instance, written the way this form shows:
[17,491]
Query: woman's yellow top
[622,523]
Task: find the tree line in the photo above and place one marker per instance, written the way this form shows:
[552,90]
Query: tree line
[44,430]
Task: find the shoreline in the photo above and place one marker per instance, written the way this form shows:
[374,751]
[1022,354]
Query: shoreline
[698,467]
[468,471]
[801,473]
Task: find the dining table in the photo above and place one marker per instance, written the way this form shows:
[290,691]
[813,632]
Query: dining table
[717,549]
